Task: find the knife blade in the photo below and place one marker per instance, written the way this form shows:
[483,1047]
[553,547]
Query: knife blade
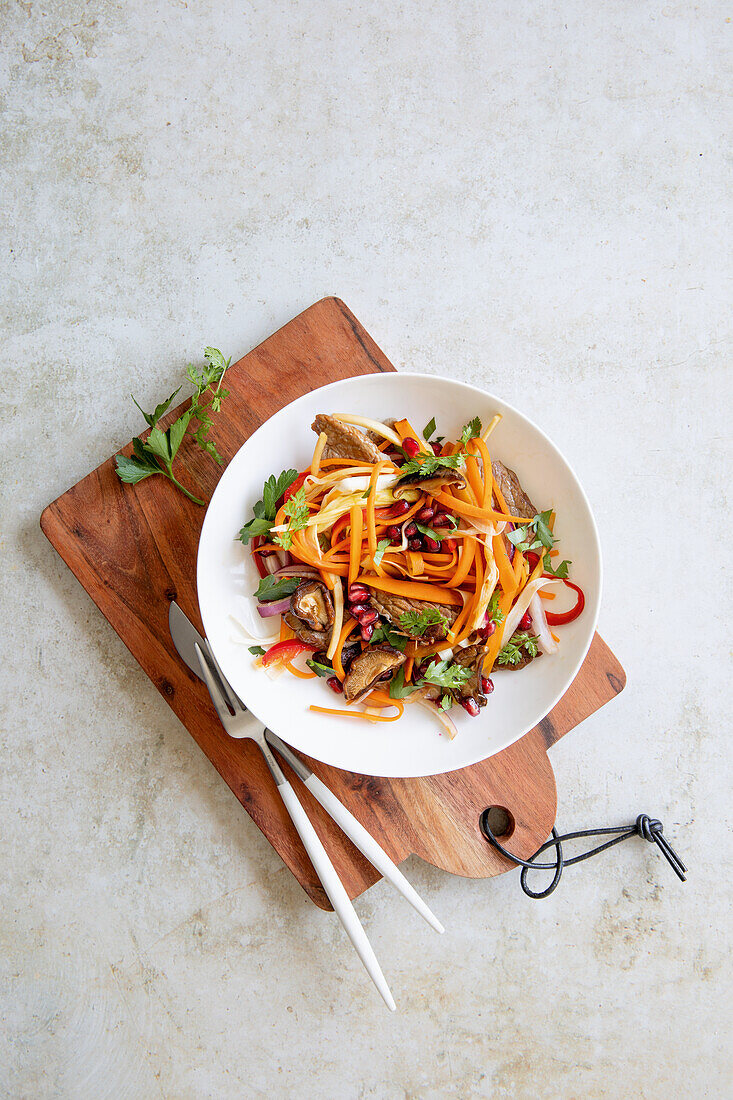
[185,638]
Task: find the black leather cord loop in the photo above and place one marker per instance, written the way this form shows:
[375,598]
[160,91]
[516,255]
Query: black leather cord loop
[648,828]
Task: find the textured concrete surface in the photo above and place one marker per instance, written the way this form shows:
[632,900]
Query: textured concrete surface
[529,196]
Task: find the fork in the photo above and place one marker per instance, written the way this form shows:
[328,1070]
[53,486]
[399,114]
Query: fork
[243,724]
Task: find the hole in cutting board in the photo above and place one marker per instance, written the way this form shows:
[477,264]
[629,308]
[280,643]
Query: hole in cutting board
[500,821]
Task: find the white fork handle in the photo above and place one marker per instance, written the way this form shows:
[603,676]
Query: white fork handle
[335,890]
[368,846]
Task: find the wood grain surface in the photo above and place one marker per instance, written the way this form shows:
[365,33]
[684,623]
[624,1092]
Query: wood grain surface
[134,549]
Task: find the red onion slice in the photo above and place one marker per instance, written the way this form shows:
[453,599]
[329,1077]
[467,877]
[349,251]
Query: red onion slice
[276,607]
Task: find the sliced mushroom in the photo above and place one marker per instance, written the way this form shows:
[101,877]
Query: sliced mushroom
[376,662]
[303,632]
[431,485]
[311,602]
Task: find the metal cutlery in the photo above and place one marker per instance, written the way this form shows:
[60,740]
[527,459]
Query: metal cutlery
[238,722]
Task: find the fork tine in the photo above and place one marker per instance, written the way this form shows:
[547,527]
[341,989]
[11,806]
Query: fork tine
[214,691]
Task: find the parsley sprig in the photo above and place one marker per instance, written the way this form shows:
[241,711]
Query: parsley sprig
[398,689]
[447,675]
[265,510]
[155,455]
[383,633]
[426,465]
[471,430]
[276,588]
[418,622]
[296,510]
[561,572]
[496,615]
[511,653]
[535,535]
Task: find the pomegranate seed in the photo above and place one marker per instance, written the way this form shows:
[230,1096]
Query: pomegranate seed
[425,514]
[367,631]
[335,684]
[486,631]
[358,609]
[470,706]
[415,544]
[358,593]
[525,623]
[436,449]
[440,521]
[532,558]
[449,544]
[399,508]
[368,617]
[410,530]
[410,446]
[487,685]
[394,533]
[431,545]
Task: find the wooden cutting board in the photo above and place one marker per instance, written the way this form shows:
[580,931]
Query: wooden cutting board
[134,549]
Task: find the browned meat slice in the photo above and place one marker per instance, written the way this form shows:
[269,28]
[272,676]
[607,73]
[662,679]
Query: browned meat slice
[312,603]
[431,485]
[305,633]
[471,657]
[393,607]
[516,499]
[377,662]
[345,441]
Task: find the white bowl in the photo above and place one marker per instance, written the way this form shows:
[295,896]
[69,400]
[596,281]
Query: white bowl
[227,579]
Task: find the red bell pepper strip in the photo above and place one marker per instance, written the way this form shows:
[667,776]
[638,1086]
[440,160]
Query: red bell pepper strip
[292,489]
[257,558]
[285,651]
[559,619]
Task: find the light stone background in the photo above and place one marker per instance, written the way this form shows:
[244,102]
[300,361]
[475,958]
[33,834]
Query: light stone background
[527,196]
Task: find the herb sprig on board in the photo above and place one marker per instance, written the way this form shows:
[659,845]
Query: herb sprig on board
[156,454]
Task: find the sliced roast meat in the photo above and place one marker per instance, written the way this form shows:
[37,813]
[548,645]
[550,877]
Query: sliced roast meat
[305,633]
[514,495]
[345,441]
[471,657]
[375,437]
[393,607]
[375,663]
[311,602]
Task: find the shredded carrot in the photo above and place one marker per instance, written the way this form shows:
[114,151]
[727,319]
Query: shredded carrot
[518,566]
[415,563]
[285,632]
[473,511]
[370,517]
[363,715]
[555,638]
[416,590]
[488,472]
[506,573]
[547,595]
[405,429]
[458,624]
[357,520]
[346,629]
[410,662]
[468,551]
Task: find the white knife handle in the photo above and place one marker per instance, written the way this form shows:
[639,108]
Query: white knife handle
[369,847]
[335,890]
